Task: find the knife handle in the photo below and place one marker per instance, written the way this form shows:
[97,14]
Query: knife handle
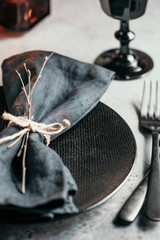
[133,205]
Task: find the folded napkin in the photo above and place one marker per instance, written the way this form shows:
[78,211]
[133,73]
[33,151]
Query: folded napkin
[67,89]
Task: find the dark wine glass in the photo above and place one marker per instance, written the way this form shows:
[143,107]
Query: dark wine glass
[127,63]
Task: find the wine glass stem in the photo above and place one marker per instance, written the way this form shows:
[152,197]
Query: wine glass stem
[124,35]
[124,28]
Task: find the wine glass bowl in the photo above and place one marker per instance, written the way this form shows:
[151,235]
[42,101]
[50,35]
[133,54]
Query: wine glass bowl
[124,9]
[127,63]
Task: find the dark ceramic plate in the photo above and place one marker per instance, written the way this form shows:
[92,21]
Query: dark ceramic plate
[99,151]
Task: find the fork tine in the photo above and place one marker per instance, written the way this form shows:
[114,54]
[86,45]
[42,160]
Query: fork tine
[151,103]
[157,115]
[144,104]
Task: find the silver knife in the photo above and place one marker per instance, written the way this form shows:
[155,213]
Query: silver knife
[133,205]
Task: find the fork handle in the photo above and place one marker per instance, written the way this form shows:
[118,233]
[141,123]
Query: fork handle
[152,206]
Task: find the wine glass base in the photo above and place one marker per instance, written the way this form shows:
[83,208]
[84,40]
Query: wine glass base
[129,71]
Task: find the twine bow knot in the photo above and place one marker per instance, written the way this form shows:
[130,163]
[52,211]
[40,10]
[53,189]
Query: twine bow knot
[28,125]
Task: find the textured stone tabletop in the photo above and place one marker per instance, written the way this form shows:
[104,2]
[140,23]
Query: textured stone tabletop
[81,30]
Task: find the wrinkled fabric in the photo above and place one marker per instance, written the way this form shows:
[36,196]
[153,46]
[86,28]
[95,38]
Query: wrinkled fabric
[68,89]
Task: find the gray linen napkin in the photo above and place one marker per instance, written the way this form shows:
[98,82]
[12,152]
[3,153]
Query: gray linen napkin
[68,89]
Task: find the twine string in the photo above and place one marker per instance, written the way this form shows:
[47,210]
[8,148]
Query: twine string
[28,125]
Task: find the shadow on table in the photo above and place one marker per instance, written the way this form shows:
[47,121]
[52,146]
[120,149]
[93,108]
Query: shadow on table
[35,230]
[65,228]
[145,223]
[7,33]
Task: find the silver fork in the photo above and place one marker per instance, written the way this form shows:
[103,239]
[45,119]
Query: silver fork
[150,119]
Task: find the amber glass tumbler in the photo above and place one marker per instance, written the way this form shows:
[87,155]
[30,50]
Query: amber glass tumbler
[21,15]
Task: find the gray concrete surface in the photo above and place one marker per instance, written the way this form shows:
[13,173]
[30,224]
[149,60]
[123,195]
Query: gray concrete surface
[81,30]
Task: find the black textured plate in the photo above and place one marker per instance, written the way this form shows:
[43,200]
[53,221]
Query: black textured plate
[99,151]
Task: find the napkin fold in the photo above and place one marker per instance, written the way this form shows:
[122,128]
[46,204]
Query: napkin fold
[68,89]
